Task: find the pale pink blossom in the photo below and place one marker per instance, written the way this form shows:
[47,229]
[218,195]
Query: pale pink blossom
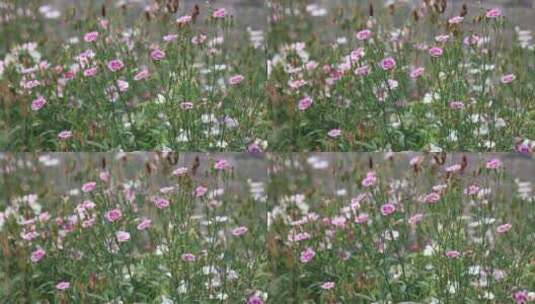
[143,74]
[415,219]
[115,65]
[307,255]
[239,231]
[493,13]
[160,203]
[305,103]
[456,105]
[63,285]
[452,254]
[219,13]
[90,72]
[236,79]
[38,103]
[507,78]
[334,133]
[435,51]
[456,20]
[369,180]
[144,224]
[417,72]
[37,255]
[388,209]
[363,35]
[113,215]
[503,228]
[388,63]
[362,218]
[182,20]
[188,257]
[493,164]
[157,55]
[327,285]
[122,236]
[362,71]
[91,37]
[88,187]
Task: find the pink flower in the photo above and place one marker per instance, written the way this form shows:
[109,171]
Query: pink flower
[507,78]
[493,164]
[431,198]
[113,215]
[221,164]
[456,20]
[472,40]
[115,65]
[417,72]
[199,39]
[503,228]
[415,219]
[307,255]
[388,209]
[63,285]
[523,148]
[104,23]
[493,13]
[200,191]
[104,176]
[88,205]
[160,203]
[442,38]
[362,218]
[188,257]
[521,297]
[88,187]
[180,171]
[219,13]
[369,180]
[122,85]
[453,168]
[143,74]
[182,20]
[38,103]
[90,72]
[435,52]
[144,224]
[388,63]
[471,190]
[37,255]
[311,65]
[169,38]
[236,79]
[339,221]
[65,134]
[29,235]
[122,236]
[239,231]
[296,83]
[364,35]
[456,105]
[452,254]
[334,133]
[186,105]
[254,299]
[305,103]
[157,54]
[362,71]
[327,285]
[91,36]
